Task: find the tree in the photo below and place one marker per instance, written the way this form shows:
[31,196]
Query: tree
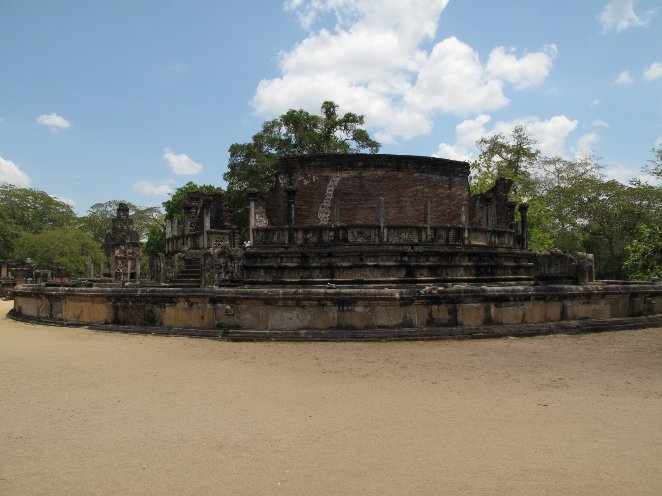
[511,157]
[572,206]
[297,132]
[644,253]
[8,234]
[654,167]
[33,210]
[99,218]
[174,207]
[156,241]
[65,248]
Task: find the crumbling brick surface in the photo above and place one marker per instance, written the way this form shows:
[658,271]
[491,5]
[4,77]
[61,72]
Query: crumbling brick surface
[356,182]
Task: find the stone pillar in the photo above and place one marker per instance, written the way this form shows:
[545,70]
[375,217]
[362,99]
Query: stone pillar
[175,227]
[138,269]
[523,208]
[90,267]
[206,226]
[113,266]
[463,222]
[335,219]
[162,267]
[128,270]
[168,226]
[426,218]
[381,214]
[489,218]
[511,214]
[291,214]
[252,192]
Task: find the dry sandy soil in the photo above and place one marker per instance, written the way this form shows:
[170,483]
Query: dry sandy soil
[85,412]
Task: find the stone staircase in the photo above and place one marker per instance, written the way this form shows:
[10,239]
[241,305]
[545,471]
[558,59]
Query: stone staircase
[190,275]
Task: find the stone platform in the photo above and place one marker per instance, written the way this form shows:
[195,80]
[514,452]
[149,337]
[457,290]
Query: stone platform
[346,313]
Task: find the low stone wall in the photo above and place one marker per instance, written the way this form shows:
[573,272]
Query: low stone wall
[342,313]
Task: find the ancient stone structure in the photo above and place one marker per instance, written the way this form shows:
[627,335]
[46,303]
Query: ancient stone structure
[389,219]
[14,272]
[357,247]
[356,219]
[205,251]
[122,247]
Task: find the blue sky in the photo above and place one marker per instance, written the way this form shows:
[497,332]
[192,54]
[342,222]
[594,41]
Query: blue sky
[132,98]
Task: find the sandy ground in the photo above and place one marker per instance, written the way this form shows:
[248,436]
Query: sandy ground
[84,412]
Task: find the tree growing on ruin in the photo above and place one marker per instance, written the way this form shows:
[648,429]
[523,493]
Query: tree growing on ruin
[174,207]
[297,132]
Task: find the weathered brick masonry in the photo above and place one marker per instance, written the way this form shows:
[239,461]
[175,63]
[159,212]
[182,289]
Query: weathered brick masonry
[356,182]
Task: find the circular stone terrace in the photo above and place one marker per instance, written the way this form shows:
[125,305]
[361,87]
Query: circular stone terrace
[352,247]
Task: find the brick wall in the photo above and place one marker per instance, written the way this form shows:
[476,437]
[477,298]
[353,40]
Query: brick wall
[357,181]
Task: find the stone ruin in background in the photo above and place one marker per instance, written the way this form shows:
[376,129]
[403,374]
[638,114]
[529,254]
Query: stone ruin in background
[359,219]
[122,247]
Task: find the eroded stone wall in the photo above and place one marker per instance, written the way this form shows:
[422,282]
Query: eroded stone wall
[355,182]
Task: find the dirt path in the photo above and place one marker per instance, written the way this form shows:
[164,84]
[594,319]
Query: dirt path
[85,412]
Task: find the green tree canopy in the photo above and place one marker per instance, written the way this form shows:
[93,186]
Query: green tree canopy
[8,234]
[174,207]
[98,220]
[654,167]
[297,132]
[66,248]
[572,206]
[513,157]
[644,253]
[33,210]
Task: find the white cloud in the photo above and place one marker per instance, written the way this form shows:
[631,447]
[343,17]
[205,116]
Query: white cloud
[624,78]
[551,135]
[68,201]
[374,63]
[467,133]
[653,71]
[621,173]
[529,70]
[54,121]
[583,146]
[595,103]
[10,173]
[149,188]
[599,123]
[620,15]
[181,163]
[453,80]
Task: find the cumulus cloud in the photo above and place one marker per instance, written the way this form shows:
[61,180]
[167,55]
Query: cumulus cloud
[527,71]
[10,173]
[583,147]
[653,71]
[149,188]
[180,163]
[374,62]
[54,121]
[624,78]
[551,135]
[599,123]
[620,15]
[622,173]
[466,134]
